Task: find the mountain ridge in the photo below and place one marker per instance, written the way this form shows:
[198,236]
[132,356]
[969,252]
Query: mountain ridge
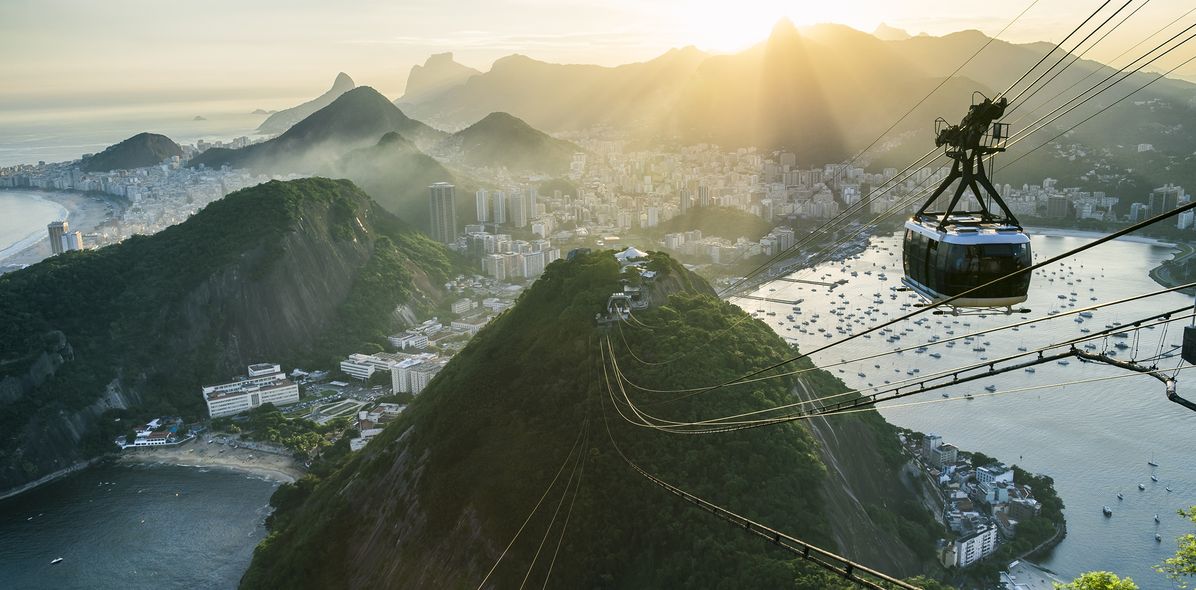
[439,494]
[284,271]
[280,121]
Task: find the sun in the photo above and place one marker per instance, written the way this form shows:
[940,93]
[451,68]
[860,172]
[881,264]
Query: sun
[736,25]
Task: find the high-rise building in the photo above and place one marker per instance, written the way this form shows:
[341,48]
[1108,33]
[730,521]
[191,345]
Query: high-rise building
[499,209]
[1164,199]
[1058,207]
[57,229]
[533,202]
[683,197]
[703,196]
[444,215]
[517,209]
[482,201]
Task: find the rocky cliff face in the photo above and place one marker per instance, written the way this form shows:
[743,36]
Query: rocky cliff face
[267,274]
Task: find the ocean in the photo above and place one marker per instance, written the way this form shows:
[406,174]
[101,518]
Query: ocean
[62,135]
[23,219]
[119,526]
[1093,438]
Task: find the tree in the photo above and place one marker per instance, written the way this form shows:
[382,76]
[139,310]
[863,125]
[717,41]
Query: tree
[1098,581]
[1182,567]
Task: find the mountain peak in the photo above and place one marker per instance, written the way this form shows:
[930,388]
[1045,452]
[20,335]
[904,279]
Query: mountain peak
[783,30]
[141,150]
[284,119]
[886,33]
[343,81]
[438,74]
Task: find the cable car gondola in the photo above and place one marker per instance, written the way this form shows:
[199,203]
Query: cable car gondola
[950,252]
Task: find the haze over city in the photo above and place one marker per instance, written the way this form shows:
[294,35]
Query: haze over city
[893,295]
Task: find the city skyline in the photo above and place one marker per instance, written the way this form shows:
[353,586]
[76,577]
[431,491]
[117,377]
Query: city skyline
[117,53]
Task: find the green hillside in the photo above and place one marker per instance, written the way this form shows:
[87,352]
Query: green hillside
[501,139]
[292,272]
[139,151]
[439,495]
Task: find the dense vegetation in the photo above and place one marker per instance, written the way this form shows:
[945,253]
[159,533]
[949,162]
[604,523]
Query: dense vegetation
[128,311]
[266,423]
[441,492]
[139,151]
[500,139]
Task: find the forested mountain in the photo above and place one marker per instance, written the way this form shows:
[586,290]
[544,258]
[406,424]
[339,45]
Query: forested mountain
[292,272]
[284,119]
[501,139]
[139,151]
[357,118]
[435,500]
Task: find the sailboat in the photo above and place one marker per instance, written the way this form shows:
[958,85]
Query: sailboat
[1151,461]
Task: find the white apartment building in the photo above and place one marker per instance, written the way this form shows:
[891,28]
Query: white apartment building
[265,383]
[976,546]
[362,366]
[414,374]
[408,340]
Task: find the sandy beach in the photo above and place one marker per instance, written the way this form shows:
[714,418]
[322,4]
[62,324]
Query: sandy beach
[198,453]
[85,213]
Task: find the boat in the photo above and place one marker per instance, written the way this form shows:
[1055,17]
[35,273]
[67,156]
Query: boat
[1108,511]
[968,396]
[1029,369]
[1168,489]
[1141,487]
[946,395]
[990,388]
[1151,462]
[1120,496]
[1158,538]
[1154,478]
[55,560]
[1156,518]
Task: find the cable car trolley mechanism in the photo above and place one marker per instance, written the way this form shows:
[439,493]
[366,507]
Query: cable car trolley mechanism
[952,251]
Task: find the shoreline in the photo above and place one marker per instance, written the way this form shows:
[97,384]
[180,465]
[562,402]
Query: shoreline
[197,453]
[86,213]
[45,479]
[1058,232]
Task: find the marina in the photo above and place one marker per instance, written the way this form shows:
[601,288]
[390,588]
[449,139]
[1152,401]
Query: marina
[1057,430]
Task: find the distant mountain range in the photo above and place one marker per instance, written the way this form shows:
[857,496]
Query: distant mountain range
[139,151]
[357,118]
[284,119]
[292,272]
[823,93]
[438,74]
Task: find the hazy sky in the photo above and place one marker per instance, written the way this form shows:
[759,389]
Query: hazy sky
[60,53]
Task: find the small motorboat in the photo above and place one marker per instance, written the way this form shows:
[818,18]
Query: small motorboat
[1120,496]
[990,388]
[1108,511]
[1141,487]
[1154,478]
[1156,518]
[1158,538]
[55,560]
